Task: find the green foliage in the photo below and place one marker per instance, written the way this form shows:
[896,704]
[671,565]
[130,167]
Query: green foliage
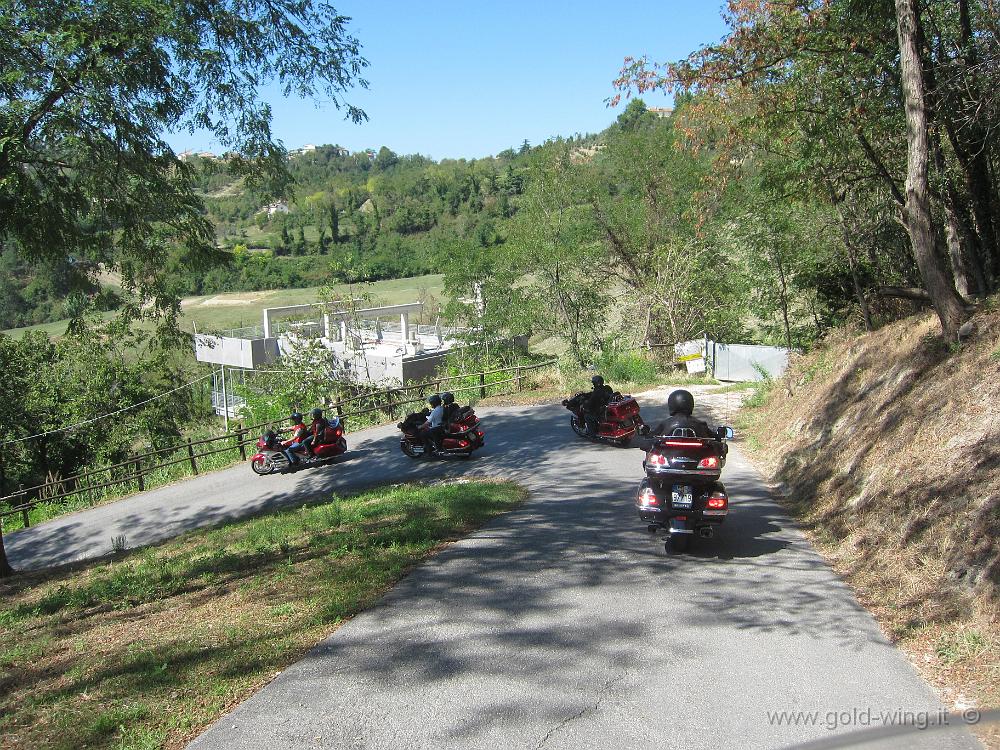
[95,370]
[961,645]
[808,99]
[761,392]
[89,92]
[628,367]
[48,291]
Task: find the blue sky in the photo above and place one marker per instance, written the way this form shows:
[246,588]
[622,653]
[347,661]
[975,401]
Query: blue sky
[469,79]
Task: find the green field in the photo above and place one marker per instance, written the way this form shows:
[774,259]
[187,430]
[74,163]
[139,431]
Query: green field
[221,311]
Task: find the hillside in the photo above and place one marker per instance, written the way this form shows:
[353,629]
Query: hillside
[890,455]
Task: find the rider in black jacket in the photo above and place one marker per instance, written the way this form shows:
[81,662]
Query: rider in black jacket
[680,404]
[597,401]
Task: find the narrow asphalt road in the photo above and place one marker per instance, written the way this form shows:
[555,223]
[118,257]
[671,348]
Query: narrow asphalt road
[561,625]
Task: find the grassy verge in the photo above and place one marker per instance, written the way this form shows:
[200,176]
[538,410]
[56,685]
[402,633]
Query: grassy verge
[145,651]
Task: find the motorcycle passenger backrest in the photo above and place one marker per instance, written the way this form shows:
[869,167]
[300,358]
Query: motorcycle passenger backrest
[686,432]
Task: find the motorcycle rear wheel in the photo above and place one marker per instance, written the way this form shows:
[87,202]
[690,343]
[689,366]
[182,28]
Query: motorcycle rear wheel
[677,543]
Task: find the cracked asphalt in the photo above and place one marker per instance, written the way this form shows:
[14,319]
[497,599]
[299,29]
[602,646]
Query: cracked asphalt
[561,625]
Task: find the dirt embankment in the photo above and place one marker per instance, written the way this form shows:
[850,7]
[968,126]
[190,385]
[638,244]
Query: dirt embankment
[887,446]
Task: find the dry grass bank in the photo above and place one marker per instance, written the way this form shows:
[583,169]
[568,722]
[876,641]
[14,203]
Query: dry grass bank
[889,453]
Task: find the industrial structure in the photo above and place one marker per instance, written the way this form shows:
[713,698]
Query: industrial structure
[367,345]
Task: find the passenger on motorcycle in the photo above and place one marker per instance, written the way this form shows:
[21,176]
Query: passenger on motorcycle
[299,433]
[316,428]
[432,431]
[451,409]
[597,401]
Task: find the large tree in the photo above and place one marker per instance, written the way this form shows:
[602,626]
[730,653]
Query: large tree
[90,92]
[819,88]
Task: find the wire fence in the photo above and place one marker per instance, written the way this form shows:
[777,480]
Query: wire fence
[59,495]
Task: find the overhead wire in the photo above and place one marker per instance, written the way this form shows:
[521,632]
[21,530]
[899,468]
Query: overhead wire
[72,427]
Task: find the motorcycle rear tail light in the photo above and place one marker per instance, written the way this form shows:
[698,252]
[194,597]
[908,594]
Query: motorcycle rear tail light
[717,501]
[682,443]
[712,462]
[648,497]
[658,458]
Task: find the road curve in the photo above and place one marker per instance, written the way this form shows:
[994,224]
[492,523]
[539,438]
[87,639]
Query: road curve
[561,625]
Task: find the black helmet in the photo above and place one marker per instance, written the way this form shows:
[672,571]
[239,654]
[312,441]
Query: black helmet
[680,402]
[317,413]
[447,398]
[434,401]
[296,418]
[597,380]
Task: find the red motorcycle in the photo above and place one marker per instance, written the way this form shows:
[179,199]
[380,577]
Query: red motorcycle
[462,436]
[271,458]
[620,423]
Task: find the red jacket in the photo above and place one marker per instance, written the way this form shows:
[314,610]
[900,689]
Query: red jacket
[299,433]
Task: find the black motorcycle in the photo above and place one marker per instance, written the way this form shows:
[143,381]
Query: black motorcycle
[681,492]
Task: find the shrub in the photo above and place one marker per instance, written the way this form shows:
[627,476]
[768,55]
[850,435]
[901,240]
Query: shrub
[626,367]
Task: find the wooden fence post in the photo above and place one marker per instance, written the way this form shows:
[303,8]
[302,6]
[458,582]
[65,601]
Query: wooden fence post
[24,511]
[517,378]
[194,464]
[140,480]
[241,437]
[482,385]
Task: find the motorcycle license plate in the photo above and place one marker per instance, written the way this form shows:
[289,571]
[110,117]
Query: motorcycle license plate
[682,495]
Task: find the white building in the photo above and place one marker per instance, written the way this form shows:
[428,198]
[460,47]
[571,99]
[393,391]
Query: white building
[371,345]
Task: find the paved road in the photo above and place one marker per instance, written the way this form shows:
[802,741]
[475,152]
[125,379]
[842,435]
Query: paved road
[561,625]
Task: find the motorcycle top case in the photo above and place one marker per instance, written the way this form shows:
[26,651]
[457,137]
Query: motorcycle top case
[684,460]
[624,409]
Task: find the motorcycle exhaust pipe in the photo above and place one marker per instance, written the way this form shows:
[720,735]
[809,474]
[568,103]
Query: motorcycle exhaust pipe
[706,532]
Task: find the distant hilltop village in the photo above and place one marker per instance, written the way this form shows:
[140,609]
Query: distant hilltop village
[660,111]
[307,149]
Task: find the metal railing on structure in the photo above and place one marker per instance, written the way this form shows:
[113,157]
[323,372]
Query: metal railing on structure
[136,469]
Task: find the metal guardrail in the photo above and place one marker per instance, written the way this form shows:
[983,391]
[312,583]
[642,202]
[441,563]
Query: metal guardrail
[134,470]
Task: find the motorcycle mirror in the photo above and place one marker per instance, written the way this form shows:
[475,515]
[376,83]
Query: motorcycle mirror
[726,433]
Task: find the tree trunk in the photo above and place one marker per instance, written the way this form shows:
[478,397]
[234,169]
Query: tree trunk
[961,251]
[973,144]
[849,251]
[5,569]
[904,292]
[784,300]
[919,223]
